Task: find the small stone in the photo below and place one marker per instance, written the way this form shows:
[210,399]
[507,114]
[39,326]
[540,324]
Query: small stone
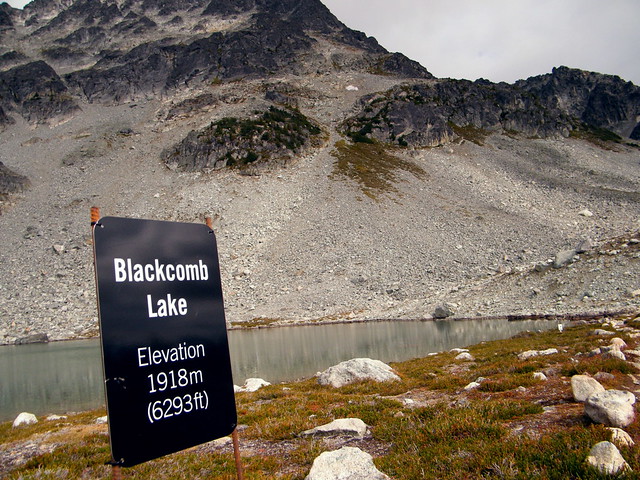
[53,418]
[102,420]
[459,350]
[539,376]
[465,357]
[602,332]
[472,386]
[585,213]
[614,353]
[534,353]
[584,246]
[350,427]
[59,249]
[619,343]
[604,376]
[620,438]
[563,257]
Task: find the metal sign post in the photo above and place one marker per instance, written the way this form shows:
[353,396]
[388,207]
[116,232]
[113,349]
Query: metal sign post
[163,335]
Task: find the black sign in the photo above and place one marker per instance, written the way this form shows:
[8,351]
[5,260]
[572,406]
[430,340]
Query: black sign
[164,339]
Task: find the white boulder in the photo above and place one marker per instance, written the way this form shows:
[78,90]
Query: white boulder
[352,427]
[620,438]
[583,386]
[611,407]
[465,357]
[251,385]
[24,418]
[535,353]
[348,463]
[356,370]
[606,458]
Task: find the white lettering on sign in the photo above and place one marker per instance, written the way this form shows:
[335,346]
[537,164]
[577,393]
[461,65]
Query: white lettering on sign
[169,307]
[127,271]
[148,356]
[178,379]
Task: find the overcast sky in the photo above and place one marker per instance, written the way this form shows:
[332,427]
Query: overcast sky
[501,40]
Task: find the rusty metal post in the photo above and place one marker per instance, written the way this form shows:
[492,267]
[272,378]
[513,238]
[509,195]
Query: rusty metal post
[234,434]
[95,215]
[116,472]
[236,454]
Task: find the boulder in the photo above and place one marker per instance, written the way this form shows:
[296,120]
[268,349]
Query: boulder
[620,438]
[534,353]
[618,343]
[465,357]
[443,311]
[351,427]
[348,463]
[356,370]
[584,386]
[584,246]
[24,418]
[35,338]
[606,458]
[539,376]
[251,385]
[602,332]
[563,258]
[611,407]
[613,352]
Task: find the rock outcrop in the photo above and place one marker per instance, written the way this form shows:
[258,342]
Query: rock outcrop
[565,102]
[274,137]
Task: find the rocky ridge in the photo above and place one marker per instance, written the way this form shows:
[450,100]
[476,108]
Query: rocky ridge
[465,204]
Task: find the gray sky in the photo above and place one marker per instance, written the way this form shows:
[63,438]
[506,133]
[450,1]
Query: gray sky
[501,40]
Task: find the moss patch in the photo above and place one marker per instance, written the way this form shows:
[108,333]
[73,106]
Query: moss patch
[376,171]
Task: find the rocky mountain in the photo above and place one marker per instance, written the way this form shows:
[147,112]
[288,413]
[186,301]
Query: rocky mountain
[344,181]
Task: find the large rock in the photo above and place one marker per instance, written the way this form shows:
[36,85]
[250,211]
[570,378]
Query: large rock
[25,418]
[612,407]
[356,370]
[251,385]
[352,427]
[583,386]
[606,458]
[348,463]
